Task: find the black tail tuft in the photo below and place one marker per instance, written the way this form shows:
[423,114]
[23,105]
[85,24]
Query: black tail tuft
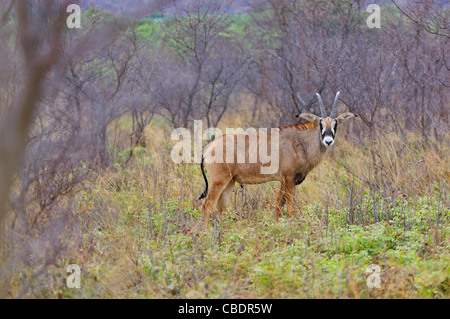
[203,195]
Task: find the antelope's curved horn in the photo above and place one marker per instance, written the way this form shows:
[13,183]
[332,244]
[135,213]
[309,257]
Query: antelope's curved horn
[333,109]
[322,108]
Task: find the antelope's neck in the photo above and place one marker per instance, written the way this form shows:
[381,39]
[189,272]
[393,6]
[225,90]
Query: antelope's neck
[320,149]
[313,147]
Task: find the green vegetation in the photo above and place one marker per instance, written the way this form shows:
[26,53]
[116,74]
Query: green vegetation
[141,237]
[129,216]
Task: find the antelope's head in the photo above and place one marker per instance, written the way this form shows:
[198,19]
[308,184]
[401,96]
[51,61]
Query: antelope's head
[327,124]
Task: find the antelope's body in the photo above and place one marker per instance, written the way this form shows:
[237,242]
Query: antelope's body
[300,148]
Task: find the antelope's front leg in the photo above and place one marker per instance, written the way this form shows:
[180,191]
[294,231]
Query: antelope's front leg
[290,195]
[281,200]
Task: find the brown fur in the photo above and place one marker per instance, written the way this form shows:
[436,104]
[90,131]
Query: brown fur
[300,150]
[300,127]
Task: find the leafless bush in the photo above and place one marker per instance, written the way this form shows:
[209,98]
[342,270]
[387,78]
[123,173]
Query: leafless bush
[60,91]
[206,65]
[395,78]
[34,37]
[60,95]
[431,15]
[143,92]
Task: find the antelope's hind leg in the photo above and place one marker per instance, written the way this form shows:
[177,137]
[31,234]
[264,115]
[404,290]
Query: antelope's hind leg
[224,198]
[211,199]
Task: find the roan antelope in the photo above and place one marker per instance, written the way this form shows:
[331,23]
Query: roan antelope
[301,148]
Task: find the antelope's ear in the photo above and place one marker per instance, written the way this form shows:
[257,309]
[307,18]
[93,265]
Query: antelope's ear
[345,116]
[309,117]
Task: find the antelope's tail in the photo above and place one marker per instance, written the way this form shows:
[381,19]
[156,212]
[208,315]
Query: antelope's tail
[203,195]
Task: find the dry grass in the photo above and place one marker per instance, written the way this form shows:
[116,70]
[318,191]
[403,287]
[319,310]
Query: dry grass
[134,230]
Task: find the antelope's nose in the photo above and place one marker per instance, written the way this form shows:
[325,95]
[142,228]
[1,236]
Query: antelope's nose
[327,141]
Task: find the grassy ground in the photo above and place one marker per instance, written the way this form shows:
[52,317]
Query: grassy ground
[137,234]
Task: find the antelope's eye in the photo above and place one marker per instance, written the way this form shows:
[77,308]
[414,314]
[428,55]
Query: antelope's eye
[335,124]
[322,127]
